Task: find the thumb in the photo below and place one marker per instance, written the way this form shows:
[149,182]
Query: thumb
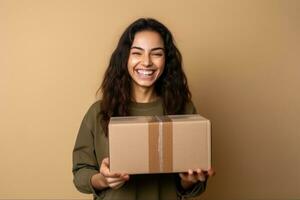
[183,175]
[104,168]
[105,161]
[117,185]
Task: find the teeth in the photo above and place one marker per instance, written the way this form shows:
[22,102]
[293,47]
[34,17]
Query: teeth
[145,72]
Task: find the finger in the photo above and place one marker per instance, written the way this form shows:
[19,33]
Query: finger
[211,172]
[104,169]
[104,166]
[116,179]
[201,175]
[117,185]
[183,175]
[105,161]
[113,180]
[189,176]
[125,177]
[193,176]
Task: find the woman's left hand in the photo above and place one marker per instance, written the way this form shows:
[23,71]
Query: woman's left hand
[191,177]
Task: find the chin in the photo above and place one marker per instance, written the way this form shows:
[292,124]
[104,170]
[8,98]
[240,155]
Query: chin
[144,84]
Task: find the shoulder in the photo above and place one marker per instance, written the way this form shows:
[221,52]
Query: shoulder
[95,108]
[190,108]
[92,115]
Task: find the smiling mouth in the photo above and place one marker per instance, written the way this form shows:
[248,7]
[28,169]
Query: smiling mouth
[145,72]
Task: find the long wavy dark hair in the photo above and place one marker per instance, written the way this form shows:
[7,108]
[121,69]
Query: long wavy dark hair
[171,86]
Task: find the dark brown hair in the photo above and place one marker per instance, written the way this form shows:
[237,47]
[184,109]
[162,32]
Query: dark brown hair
[171,86]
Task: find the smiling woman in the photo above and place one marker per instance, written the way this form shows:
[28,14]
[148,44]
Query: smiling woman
[144,77]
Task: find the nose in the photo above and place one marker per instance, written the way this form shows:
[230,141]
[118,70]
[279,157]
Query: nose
[146,60]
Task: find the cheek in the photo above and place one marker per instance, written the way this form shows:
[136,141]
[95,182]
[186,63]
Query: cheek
[161,68]
[132,62]
[161,64]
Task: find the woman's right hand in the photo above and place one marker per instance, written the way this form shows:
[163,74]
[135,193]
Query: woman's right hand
[106,179]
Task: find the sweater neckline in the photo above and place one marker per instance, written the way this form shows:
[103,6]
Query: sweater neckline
[146,105]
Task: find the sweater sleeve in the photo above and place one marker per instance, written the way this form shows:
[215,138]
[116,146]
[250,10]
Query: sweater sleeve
[85,164]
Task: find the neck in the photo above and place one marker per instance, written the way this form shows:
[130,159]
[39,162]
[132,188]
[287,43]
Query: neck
[143,95]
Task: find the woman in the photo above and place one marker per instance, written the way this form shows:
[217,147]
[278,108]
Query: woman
[144,77]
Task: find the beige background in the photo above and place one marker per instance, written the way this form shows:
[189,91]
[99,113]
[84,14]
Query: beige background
[241,59]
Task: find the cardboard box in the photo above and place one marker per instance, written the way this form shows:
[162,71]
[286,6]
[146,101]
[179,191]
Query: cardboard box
[159,144]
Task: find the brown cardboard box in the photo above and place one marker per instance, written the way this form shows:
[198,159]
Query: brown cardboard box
[159,144]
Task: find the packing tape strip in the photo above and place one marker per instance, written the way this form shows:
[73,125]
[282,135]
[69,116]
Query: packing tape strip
[160,137]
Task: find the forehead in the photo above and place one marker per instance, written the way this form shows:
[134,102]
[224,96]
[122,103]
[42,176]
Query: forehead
[148,39]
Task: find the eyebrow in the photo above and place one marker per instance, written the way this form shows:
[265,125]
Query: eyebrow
[153,49]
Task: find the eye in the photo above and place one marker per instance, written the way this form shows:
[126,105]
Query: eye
[136,53]
[157,54]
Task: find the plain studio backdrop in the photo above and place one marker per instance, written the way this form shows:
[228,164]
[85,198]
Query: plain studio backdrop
[241,59]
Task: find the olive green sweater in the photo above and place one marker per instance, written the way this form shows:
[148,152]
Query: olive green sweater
[92,146]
